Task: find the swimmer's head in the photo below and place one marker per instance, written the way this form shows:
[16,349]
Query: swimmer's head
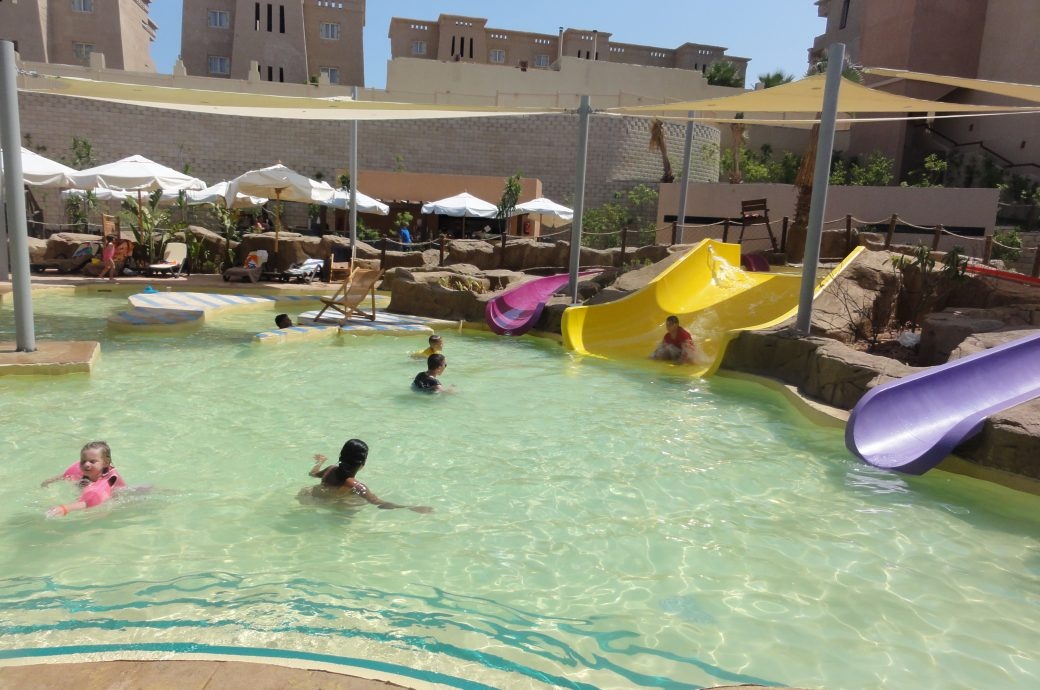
[283,321]
[94,459]
[436,361]
[436,342]
[353,455]
[671,321]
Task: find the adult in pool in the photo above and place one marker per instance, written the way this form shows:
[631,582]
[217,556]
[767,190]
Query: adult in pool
[341,478]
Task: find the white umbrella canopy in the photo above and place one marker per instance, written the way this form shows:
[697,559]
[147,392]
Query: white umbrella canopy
[38,171]
[551,214]
[365,203]
[134,173]
[281,183]
[168,198]
[217,194]
[463,205]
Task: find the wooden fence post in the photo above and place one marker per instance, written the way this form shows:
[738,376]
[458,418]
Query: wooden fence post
[987,249]
[891,230]
[675,232]
[936,237]
[624,245]
[848,234]
[443,243]
[1036,262]
[725,230]
[783,234]
[382,253]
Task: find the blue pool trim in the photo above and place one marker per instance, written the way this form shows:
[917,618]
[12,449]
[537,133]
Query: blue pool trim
[183,648]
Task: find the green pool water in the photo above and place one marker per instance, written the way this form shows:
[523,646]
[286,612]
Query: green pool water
[596,525]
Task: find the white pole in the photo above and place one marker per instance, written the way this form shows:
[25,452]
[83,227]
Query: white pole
[579,195]
[353,186]
[11,142]
[821,175]
[687,153]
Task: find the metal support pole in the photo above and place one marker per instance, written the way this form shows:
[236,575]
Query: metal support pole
[353,185]
[687,152]
[824,150]
[5,269]
[14,193]
[584,110]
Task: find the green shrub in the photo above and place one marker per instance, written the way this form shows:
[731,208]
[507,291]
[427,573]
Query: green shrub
[1007,246]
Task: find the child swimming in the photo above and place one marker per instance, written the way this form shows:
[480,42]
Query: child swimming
[340,479]
[95,475]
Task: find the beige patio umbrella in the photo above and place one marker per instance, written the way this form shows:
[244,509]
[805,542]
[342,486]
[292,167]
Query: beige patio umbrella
[282,184]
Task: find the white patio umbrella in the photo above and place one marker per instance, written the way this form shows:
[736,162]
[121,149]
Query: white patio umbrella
[550,213]
[217,194]
[38,171]
[282,183]
[168,197]
[135,174]
[365,203]
[463,206]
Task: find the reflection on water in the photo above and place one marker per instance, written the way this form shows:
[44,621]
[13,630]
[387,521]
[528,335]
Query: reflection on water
[595,526]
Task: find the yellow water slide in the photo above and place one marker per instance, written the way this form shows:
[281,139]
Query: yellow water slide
[709,292]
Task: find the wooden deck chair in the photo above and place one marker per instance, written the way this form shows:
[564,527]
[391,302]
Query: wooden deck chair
[753,212]
[110,226]
[351,294]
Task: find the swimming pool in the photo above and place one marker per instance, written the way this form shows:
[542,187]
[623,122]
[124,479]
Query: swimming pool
[595,525]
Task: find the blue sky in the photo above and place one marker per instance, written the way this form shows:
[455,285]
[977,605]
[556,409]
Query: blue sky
[775,34]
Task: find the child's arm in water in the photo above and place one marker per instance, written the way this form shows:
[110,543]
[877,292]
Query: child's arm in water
[317,470]
[48,482]
[66,508]
[361,490]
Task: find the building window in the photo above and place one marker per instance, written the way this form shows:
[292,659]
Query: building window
[82,5]
[82,51]
[498,56]
[281,19]
[541,61]
[419,47]
[218,65]
[219,19]
[844,14]
[332,73]
[330,31]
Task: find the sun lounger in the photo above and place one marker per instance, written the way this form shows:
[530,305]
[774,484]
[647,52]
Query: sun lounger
[65,260]
[351,293]
[252,269]
[304,272]
[173,260]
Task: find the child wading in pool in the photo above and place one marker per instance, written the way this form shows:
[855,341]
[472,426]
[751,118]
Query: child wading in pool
[95,474]
[436,346]
[340,479]
[676,345]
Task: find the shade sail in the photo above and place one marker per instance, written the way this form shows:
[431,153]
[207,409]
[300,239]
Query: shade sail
[39,171]
[806,96]
[1025,92]
[365,203]
[253,104]
[279,182]
[134,173]
[550,213]
[463,205]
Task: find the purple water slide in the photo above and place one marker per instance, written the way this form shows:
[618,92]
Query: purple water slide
[516,311]
[912,423]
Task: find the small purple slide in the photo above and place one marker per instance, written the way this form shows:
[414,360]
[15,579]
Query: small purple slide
[912,423]
[516,311]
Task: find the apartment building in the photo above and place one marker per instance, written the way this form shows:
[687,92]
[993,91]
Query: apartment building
[292,41]
[454,38]
[983,39]
[68,31]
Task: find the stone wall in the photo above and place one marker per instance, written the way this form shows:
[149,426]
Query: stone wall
[219,147]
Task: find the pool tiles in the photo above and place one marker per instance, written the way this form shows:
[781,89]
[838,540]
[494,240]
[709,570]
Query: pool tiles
[165,310]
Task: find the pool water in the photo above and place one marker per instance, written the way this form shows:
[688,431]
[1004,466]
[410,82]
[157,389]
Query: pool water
[595,524]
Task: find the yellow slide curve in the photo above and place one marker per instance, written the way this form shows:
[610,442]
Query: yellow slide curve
[709,292]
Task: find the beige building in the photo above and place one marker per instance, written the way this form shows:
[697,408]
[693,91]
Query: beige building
[68,31]
[984,39]
[293,41]
[454,38]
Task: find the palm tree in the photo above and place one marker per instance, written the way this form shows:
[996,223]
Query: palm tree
[771,79]
[658,143]
[724,73]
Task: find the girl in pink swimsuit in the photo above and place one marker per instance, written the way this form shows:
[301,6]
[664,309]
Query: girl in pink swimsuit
[95,475]
[108,258]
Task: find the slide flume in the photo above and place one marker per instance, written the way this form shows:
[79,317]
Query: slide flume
[713,298]
[912,423]
[516,311]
